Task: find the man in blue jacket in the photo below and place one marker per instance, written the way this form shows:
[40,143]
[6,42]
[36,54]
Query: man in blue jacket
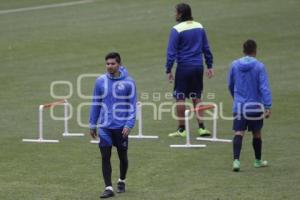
[249,86]
[187,45]
[113,112]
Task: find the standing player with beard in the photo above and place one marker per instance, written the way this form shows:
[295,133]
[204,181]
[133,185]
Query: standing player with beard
[113,112]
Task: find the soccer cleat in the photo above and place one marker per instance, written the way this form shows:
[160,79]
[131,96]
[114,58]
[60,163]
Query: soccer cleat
[120,187]
[178,134]
[203,132]
[236,165]
[260,163]
[107,193]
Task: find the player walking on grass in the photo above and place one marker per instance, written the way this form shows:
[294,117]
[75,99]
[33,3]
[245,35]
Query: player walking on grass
[249,86]
[187,45]
[113,113]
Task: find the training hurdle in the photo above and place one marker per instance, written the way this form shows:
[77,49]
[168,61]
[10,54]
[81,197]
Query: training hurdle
[187,127]
[214,137]
[40,122]
[140,126]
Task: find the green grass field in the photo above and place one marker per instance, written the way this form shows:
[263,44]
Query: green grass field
[38,47]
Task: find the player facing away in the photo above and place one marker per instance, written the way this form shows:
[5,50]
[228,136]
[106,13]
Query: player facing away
[249,86]
[187,45]
[113,112]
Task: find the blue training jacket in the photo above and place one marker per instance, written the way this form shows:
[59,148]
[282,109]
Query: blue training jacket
[114,102]
[187,45]
[248,83]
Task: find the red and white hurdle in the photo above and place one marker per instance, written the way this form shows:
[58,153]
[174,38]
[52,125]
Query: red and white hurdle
[214,137]
[40,138]
[140,135]
[187,127]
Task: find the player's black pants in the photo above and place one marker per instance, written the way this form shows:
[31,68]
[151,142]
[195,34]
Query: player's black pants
[106,165]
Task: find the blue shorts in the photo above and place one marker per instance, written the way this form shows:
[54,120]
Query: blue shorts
[188,82]
[112,137]
[251,122]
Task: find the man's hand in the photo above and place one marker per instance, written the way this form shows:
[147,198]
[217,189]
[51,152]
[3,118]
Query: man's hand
[125,132]
[93,133]
[170,77]
[267,113]
[210,73]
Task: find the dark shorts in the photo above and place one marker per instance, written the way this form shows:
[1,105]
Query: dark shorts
[188,82]
[112,137]
[251,122]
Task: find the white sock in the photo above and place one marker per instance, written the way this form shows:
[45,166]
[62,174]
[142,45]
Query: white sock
[109,188]
[120,180]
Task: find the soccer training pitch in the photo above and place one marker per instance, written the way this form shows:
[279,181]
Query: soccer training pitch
[42,41]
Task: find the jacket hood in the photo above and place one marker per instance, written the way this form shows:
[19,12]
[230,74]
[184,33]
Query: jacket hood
[123,74]
[246,63]
[124,70]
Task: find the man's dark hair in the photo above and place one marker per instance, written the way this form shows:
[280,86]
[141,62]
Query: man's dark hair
[249,47]
[113,55]
[185,11]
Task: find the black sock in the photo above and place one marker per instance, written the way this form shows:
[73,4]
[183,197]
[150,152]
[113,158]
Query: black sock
[106,166]
[181,128]
[257,143]
[201,125]
[123,162]
[237,146]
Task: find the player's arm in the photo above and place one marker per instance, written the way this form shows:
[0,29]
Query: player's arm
[95,108]
[172,50]
[207,55]
[265,90]
[230,81]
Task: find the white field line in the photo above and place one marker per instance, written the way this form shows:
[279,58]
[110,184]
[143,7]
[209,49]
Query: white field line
[2,12]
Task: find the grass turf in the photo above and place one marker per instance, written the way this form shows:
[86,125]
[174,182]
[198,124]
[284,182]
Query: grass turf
[41,46]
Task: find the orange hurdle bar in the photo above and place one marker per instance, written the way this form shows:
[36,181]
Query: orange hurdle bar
[49,105]
[202,108]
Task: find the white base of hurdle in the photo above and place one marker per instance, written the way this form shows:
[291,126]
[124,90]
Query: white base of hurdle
[131,136]
[72,134]
[189,145]
[213,139]
[94,141]
[144,136]
[40,140]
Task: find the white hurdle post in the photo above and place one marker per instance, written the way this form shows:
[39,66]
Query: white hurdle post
[95,141]
[66,127]
[40,124]
[140,125]
[187,129]
[214,137]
